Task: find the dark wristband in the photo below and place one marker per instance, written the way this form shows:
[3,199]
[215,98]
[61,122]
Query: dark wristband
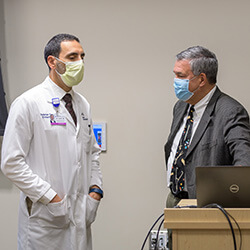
[96,190]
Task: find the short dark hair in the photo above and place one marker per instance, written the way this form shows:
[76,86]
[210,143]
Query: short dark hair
[201,61]
[53,47]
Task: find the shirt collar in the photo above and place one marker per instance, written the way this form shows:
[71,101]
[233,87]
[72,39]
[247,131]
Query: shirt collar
[202,104]
[58,91]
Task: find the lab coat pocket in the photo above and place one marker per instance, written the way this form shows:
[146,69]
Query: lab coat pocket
[92,206]
[54,215]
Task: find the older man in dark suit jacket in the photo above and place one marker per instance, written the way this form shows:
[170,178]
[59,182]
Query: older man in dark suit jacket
[220,125]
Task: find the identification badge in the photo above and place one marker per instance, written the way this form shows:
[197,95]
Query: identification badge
[56,102]
[57,120]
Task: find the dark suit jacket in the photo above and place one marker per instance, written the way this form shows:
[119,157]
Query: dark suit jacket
[222,136]
[3,107]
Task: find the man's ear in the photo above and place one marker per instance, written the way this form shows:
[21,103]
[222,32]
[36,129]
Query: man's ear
[51,62]
[203,79]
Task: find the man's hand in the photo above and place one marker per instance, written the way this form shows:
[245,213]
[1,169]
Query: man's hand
[56,199]
[94,195]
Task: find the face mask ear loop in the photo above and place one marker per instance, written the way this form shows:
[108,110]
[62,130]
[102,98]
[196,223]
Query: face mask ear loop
[197,87]
[61,62]
[66,63]
[193,78]
[58,72]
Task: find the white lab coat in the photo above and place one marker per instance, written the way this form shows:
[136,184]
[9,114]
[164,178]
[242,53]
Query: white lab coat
[38,157]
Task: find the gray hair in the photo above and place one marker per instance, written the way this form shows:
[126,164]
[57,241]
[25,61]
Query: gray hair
[53,47]
[201,61]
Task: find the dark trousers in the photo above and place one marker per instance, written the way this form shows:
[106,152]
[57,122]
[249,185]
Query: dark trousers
[172,201]
[29,204]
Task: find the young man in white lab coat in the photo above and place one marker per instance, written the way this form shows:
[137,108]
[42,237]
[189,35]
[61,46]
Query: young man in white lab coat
[54,163]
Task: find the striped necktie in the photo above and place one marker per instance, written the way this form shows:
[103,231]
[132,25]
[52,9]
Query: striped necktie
[68,100]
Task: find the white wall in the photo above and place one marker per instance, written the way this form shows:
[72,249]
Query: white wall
[130,48]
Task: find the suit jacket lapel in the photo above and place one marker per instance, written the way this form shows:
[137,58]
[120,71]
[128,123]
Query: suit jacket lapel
[205,119]
[177,121]
[180,113]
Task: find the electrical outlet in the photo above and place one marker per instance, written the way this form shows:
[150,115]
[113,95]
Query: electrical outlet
[162,240]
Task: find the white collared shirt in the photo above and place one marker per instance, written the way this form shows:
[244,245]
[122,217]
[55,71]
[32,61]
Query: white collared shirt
[199,110]
[60,93]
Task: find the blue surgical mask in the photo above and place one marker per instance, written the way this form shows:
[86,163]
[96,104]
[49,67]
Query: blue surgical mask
[181,89]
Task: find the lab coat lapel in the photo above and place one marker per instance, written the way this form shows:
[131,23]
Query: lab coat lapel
[61,109]
[77,101]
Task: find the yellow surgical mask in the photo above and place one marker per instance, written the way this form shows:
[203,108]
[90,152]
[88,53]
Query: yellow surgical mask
[73,74]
